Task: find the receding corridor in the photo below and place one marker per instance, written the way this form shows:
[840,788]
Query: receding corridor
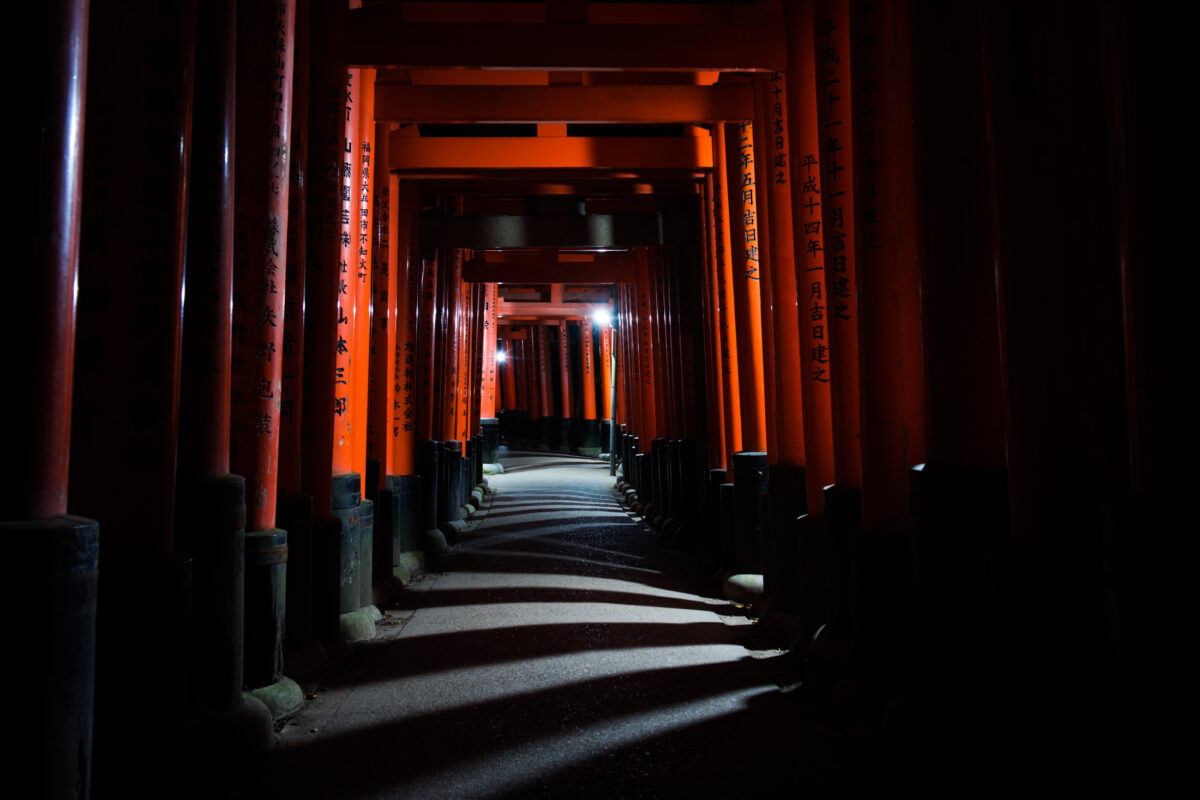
[562,650]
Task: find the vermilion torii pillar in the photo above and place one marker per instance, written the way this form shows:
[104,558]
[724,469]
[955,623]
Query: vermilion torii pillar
[265,59]
[488,403]
[590,439]
[210,511]
[832,46]
[124,423]
[745,258]
[294,508]
[564,381]
[401,495]
[51,554]
[731,377]
[806,180]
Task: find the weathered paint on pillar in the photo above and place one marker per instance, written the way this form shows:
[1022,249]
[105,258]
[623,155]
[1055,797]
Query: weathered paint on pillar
[404,284]
[785,292]
[809,247]
[831,44]
[747,292]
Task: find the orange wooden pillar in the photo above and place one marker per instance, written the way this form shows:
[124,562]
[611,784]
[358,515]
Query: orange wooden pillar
[428,327]
[805,182]
[591,440]
[745,259]
[210,507]
[124,421]
[566,396]
[294,509]
[714,363]
[397,513]
[51,554]
[889,324]
[647,388]
[428,464]
[260,262]
[385,272]
[958,495]
[748,255]
[489,403]
[323,306]
[832,47]
[806,179]
[351,373]
[545,387]
[783,578]
[1062,353]
[731,378]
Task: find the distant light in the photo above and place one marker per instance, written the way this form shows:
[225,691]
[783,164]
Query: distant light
[501,356]
[602,317]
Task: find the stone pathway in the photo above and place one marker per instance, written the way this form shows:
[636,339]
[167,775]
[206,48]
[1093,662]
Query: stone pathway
[560,651]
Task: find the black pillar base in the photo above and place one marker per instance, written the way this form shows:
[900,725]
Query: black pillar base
[141,651]
[429,470]
[843,516]
[266,601]
[752,483]
[345,504]
[491,440]
[566,434]
[210,521]
[782,580]
[294,513]
[50,595]
[366,553]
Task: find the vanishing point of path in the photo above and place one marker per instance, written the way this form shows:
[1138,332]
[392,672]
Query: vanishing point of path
[560,651]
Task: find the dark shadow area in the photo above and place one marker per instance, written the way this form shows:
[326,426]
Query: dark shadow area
[414,655]
[548,594]
[386,756]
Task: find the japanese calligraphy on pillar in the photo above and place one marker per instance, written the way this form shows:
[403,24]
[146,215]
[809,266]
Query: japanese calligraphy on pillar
[749,206]
[345,320]
[260,248]
[838,328]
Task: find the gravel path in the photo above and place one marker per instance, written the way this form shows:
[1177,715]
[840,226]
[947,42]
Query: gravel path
[560,651]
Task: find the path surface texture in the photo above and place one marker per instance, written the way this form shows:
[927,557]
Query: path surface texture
[559,651]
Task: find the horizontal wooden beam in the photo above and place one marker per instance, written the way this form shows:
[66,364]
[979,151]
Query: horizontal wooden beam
[505,309]
[643,104]
[499,232]
[546,267]
[379,36]
[412,153]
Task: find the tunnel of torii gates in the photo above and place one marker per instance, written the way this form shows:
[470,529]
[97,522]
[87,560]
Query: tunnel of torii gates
[277,251]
